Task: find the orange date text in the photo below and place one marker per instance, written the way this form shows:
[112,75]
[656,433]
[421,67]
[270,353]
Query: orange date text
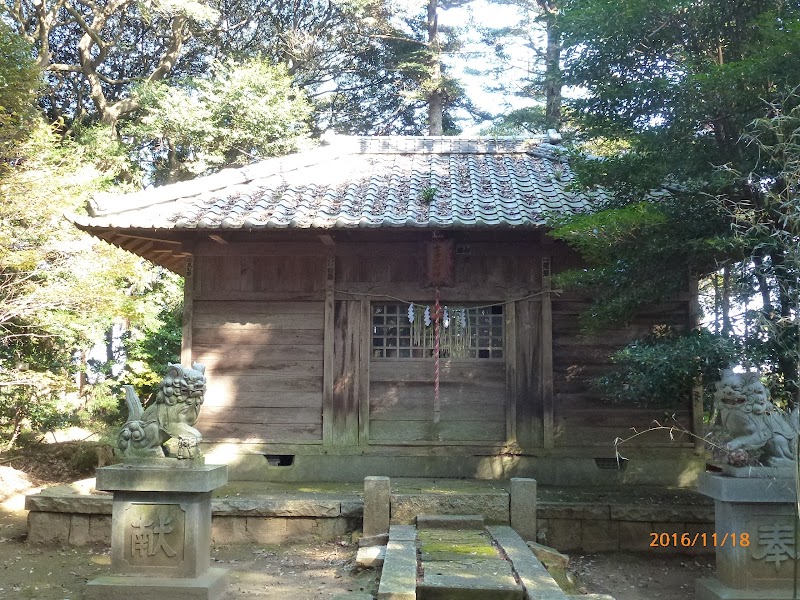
[700,540]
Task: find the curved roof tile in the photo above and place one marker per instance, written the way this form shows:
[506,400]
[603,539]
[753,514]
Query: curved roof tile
[364,182]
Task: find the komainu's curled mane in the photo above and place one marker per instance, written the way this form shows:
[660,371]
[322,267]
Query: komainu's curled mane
[172,416]
[752,422]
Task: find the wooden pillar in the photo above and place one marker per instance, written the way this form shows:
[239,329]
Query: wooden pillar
[510,352]
[188,311]
[528,400]
[347,349]
[546,357]
[327,352]
[363,368]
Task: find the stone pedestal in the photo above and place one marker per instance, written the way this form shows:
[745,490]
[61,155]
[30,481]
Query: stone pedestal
[161,531]
[754,538]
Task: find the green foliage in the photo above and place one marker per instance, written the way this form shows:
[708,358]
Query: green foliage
[671,93]
[19,80]
[60,291]
[519,122]
[662,369]
[239,114]
[151,346]
[640,253]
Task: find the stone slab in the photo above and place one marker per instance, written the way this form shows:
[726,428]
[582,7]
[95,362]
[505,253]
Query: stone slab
[449,521]
[171,461]
[399,574]
[134,478]
[66,502]
[573,510]
[403,533]
[531,572]
[758,472]
[600,536]
[677,514]
[209,586]
[549,557]
[373,540]
[742,490]
[493,506]
[464,565]
[259,507]
[463,547]
[371,556]
[48,528]
[712,589]
[451,581]
[353,596]
[483,573]
[564,534]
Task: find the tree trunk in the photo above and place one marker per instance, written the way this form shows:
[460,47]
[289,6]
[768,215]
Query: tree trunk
[726,300]
[436,96]
[785,335]
[552,74]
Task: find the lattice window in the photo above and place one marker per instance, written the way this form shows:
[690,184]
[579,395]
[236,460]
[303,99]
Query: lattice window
[472,332]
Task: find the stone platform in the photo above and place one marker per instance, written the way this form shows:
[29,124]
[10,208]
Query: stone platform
[463,564]
[492,563]
[569,519]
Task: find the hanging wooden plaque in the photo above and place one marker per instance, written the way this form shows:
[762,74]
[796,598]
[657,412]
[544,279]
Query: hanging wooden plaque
[441,263]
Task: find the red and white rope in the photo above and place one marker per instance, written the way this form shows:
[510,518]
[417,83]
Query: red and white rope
[437,319]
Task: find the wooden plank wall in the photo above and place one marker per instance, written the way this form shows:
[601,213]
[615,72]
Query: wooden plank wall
[261,313]
[583,417]
[258,328]
[475,395]
[472,394]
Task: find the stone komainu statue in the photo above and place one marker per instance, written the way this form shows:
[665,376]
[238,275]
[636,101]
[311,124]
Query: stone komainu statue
[752,421]
[171,417]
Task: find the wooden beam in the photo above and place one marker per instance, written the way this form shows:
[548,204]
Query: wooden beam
[310,248]
[188,312]
[546,356]
[218,239]
[327,352]
[387,291]
[150,239]
[137,246]
[327,239]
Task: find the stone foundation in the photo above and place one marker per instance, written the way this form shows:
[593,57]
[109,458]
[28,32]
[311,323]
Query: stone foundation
[248,515]
[593,528]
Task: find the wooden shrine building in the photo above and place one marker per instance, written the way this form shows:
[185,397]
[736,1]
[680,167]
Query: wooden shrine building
[299,275]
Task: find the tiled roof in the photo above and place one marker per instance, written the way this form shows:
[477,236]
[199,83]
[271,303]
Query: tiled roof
[363,182]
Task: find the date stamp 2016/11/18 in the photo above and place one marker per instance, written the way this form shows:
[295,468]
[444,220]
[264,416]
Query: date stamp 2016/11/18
[702,540]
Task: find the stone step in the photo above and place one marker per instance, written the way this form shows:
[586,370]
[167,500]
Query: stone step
[468,579]
[450,521]
[463,565]
[399,575]
[371,556]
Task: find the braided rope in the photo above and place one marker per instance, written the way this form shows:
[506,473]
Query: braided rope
[437,319]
